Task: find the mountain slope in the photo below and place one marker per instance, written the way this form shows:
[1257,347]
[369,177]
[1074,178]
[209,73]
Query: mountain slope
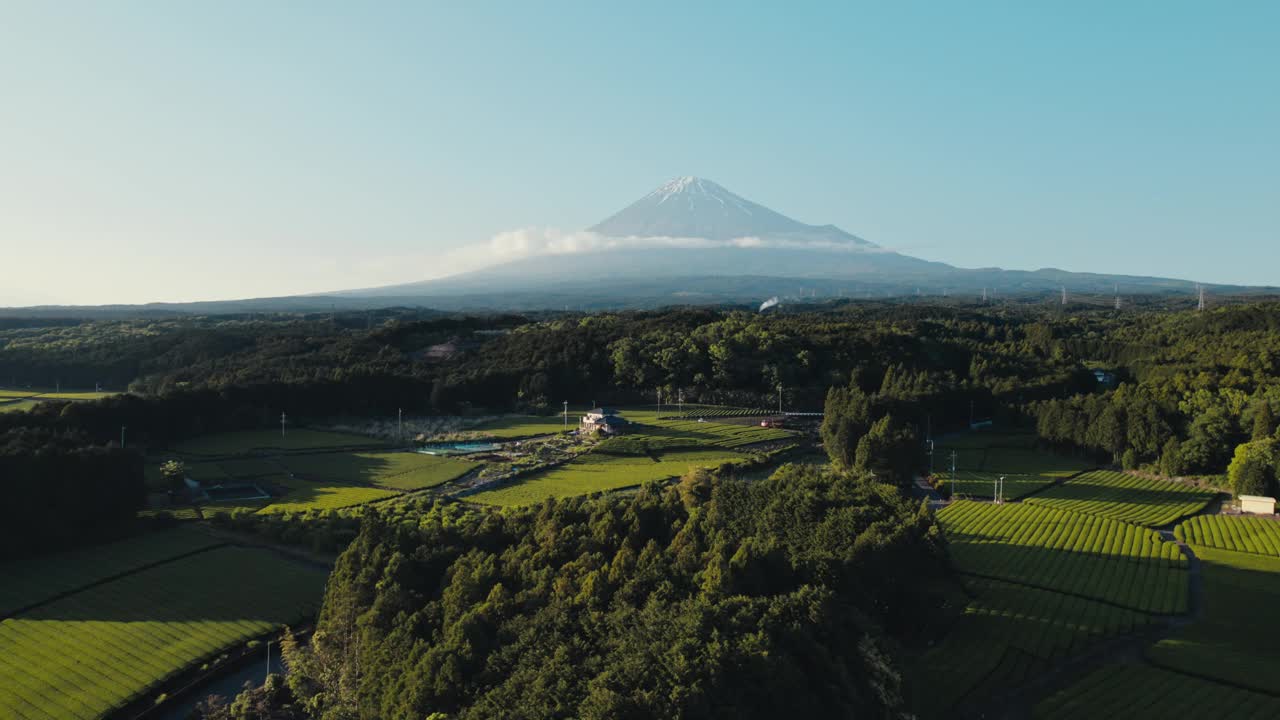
[692,207]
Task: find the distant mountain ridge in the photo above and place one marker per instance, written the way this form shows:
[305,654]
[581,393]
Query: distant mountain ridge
[693,241]
[711,236]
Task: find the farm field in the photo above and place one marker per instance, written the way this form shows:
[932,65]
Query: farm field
[17,405]
[693,412]
[1009,633]
[1235,640]
[982,458]
[27,582]
[595,472]
[1126,497]
[88,654]
[391,470]
[239,443]
[304,495]
[1241,533]
[514,427]
[646,424]
[300,481]
[1089,556]
[1146,693]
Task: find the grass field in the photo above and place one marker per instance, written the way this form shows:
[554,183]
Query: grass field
[90,653]
[1235,640]
[520,426]
[1232,532]
[53,394]
[391,470]
[595,472]
[1089,556]
[27,582]
[17,405]
[1010,633]
[1139,692]
[239,443]
[304,495]
[1125,497]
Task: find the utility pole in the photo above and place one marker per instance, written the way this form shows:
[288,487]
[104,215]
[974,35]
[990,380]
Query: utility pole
[282,419]
[680,399]
[659,403]
[122,429]
[953,474]
[566,416]
[779,398]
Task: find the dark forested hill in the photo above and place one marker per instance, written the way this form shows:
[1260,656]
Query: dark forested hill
[706,599]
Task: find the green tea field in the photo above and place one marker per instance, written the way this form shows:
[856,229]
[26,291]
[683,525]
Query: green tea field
[89,653]
[1141,692]
[1241,533]
[1126,497]
[24,583]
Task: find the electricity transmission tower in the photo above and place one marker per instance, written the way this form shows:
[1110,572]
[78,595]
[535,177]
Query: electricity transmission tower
[1200,305]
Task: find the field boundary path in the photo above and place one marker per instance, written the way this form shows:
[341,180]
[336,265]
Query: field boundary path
[104,580]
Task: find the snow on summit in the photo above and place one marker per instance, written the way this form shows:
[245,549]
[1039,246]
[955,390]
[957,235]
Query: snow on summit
[694,207]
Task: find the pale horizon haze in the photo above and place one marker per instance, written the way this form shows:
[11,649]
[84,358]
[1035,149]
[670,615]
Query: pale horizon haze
[199,151]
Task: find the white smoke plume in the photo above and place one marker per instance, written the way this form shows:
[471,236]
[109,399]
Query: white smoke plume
[771,302]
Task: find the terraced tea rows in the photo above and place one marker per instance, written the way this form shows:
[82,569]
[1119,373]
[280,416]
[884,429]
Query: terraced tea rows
[1009,633]
[1088,556]
[1241,533]
[1138,692]
[708,433]
[1126,497]
[92,652]
[714,411]
[28,582]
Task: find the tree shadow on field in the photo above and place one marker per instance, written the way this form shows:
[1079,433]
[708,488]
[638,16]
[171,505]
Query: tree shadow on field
[1086,490]
[226,584]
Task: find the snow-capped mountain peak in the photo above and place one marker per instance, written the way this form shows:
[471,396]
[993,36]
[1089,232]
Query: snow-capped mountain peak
[694,207]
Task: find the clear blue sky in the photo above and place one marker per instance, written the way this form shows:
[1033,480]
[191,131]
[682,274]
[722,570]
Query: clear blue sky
[179,151]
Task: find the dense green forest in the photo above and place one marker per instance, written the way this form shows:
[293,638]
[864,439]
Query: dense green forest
[708,598]
[1189,389]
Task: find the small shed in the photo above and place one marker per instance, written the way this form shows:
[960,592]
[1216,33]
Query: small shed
[1258,504]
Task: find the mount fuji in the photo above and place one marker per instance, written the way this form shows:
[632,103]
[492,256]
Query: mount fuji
[692,240]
